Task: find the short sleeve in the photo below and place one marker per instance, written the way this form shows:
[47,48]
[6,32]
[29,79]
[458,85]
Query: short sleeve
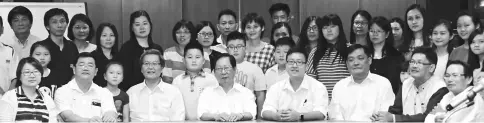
[249,103]
[107,103]
[204,102]
[270,104]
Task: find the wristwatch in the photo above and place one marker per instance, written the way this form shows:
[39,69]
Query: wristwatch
[301,117]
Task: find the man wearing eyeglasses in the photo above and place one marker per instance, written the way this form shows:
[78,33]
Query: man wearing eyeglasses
[81,100]
[248,74]
[357,97]
[153,99]
[299,97]
[419,94]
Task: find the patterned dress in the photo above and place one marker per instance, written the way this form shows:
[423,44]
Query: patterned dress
[264,58]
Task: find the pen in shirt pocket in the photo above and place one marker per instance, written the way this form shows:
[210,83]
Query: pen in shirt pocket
[305,101]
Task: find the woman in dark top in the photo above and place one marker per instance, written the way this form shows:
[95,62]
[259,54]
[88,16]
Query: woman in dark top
[64,52]
[107,47]
[386,59]
[140,41]
[206,33]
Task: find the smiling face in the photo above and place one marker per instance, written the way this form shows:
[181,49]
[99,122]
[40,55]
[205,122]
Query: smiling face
[30,76]
[465,26]
[80,30]
[253,30]
[358,62]
[420,66]
[455,79]
[205,36]
[151,67]
[107,38]
[141,27]
[183,36]
[441,36]
[296,64]
[236,48]
[85,68]
[415,20]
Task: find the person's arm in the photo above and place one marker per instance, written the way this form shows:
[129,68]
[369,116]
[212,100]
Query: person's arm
[387,96]
[250,107]
[109,113]
[320,105]
[335,109]
[178,107]
[397,107]
[269,109]
[7,111]
[63,102]
[433,101]
[126,113]
[313,115]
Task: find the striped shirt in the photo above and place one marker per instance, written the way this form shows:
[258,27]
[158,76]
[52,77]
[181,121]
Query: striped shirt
[264,58]
[328,71]
[42,108]
[175,64]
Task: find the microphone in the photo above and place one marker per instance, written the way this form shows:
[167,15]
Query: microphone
[464,97]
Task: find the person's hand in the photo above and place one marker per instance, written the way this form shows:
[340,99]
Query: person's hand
[110,117]
[374,117]
[439,117]
[235,117]
[384,116]
[95,120]
[437,109]
[224,117]
[290,115]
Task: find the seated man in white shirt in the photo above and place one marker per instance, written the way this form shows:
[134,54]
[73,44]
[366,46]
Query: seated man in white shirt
[357,97]
[228,101]
[81,100]
[418,94]
[297,98]
[458,78]
[153,99]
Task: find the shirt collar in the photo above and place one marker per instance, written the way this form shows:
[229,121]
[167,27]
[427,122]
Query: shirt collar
[368,78]
[199,74]
[20,91]
[236,87]
[160,85]
[73,85]
[304,84]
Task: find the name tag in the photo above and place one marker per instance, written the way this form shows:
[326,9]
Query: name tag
[96,103]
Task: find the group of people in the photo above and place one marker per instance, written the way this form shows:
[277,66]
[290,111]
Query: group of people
[389,70]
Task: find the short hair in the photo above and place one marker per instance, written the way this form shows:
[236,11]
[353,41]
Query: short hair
[83,18]
[467,70]
[227,12]
[203,24]
[192,45]
[279,7]
[226,55]
[53,12]
[152,52]
[19,10]
[428,52]
[184,23]
[285,41]
[236,35]
[352,48]
[99,32]
[111,63]
[297,50]
[277,26]
[253,17]
[30,60]
[85,55]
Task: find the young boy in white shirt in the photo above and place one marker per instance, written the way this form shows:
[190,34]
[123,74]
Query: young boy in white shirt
[278,72]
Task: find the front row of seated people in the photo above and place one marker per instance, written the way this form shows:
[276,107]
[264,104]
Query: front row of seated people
[216,96]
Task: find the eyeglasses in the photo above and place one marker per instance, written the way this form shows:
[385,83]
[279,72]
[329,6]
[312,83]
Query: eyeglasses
[223,69]
[236,47]
[83,65]
[298,63]
[313,28]
[361,23]
[151,64]
[453,75]
[418,63]
[28,73]
[376,31]
[206,34]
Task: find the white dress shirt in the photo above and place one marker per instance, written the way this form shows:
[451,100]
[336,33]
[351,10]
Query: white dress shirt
[415,100]
[474,113]
[358,101]
[273,75]
[22,50]
[163,103]
[221,47]
[93,103]
[237,100]
[191,87]
[310,96]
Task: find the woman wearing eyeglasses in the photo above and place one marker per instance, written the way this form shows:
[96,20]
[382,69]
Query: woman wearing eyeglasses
[206,33]
[28,103]
[384,54]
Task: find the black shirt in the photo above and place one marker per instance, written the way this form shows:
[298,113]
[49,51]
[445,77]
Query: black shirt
[61,60]
[129,56]
[101,62]
[390,68]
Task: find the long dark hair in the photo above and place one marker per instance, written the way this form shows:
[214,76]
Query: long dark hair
[409,37]
[303,36]
[277,26]
[388,48]
[363,13]
[203,24]
[475,19]
[99,32]
[473,59]
[404,32]
[135,15]
[446,24]
[340,45]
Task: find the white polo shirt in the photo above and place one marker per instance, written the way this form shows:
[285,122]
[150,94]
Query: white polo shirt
[95,102]
[8,65]
[237,100]
[191,87]
[23,50]
[164,103]
[273,75]
[310,96]
[358,101]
